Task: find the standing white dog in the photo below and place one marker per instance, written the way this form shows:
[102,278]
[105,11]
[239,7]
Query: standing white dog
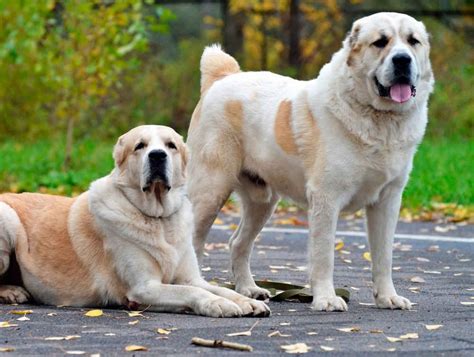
[343,141]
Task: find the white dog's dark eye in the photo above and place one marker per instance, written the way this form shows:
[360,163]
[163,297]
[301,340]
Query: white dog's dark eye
[139,146]
[413,41]
[381,42]
[171,145]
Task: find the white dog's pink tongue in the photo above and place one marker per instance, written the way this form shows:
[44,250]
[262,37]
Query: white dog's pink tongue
[400,92]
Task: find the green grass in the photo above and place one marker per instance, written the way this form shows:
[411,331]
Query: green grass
[443,169]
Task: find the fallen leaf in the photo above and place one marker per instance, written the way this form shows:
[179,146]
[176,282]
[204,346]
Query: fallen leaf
[55,338]
[94,313]
[218,221]
[296,348]
[135,313]
[163,331]
[433,327]
[311,333]
[134,322]
[7,349]
[417,279]
[21,312]
[367,304]
[409,336]
[52,314]
[354,288]
[393,339]
[367,256]
[349,329]
[424,260]
[285,323]
[206,269]
[339,246]
[467,303]
[391,349]
[24,318]
[442,229]
[134,348]
[326,348]
[233,226]
[75,352]
[278,334]
[4,324]
[376,331]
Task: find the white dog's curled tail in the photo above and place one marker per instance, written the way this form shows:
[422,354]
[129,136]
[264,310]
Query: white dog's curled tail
[215,64]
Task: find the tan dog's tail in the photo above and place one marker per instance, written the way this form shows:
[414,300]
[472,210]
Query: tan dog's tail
[215,64]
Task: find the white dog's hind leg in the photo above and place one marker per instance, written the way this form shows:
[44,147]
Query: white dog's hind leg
[208,192]
[10,226]
[322,224]
[381,223]
[254,217]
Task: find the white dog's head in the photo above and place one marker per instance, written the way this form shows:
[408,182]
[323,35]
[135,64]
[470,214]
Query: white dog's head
[152,159]
[388,58]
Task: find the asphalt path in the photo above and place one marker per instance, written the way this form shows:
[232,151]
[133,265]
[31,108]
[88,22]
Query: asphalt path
[441,257]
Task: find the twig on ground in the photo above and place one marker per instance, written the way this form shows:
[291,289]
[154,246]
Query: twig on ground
[221,344]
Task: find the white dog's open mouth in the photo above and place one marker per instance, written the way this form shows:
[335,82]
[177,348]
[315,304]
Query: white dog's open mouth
[399,92]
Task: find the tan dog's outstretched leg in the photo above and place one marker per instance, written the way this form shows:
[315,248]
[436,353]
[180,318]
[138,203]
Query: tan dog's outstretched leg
[10,225]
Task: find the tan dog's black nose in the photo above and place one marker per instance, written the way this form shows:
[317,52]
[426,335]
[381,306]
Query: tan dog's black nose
[157,155]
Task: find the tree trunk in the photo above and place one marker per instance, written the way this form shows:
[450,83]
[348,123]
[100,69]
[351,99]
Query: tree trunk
[69,144]
[294,56]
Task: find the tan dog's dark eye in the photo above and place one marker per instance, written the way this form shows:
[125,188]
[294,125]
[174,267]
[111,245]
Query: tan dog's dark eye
[413,41]
[171,145]
[139,146]
[381,42]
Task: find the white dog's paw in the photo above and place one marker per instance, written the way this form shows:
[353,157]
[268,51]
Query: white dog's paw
[393,302]
[219,307]
[252,307]
[253,292]
[329,303]
[10,294]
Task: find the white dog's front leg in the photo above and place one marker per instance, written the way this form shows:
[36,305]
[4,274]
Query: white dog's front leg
[381,223]
[322,224]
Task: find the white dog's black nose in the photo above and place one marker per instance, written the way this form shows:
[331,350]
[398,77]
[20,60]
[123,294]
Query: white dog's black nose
[157,155]
[401,60]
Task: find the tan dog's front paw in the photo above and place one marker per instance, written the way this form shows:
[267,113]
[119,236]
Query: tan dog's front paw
[219,307]
[253,292]
[252,307]
[329,303]
[10,294]
[393,302]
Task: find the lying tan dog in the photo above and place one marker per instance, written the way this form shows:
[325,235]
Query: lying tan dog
[343,141]
[127,240]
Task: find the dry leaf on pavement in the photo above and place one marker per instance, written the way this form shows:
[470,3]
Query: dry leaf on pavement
[433,327]
[94,313]
[135,348]
[296,348]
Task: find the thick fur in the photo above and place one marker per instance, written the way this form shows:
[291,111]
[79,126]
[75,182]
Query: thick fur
[333,143]
[126,241]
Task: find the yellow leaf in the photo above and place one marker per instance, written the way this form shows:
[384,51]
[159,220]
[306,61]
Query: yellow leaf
[163,331]
[339,246]
[7,349]
[367,256]
[433,327]
[94,313]
[134,348]
[393,339]
[21,312]
[4,324]
[218,221]
[233,226]
[296,348]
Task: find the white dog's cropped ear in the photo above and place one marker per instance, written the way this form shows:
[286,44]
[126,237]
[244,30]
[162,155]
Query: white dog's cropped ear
[351,41]
[119,152]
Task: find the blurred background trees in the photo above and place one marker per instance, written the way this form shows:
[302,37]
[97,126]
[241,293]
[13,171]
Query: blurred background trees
[91,69]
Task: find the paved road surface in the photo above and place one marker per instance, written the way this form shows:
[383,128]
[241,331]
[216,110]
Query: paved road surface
[445,264]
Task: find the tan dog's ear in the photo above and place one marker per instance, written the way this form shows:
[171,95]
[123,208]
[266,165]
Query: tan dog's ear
[119,152]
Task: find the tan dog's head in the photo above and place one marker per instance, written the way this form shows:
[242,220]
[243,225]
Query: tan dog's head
[388,57]
[151,158]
